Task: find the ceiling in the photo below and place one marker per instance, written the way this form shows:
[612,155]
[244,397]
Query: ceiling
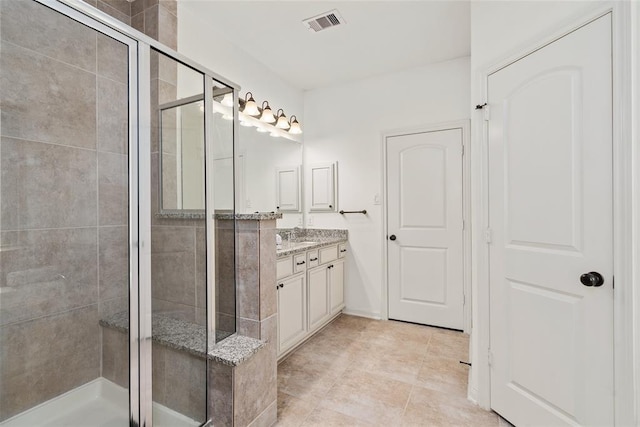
[379,36]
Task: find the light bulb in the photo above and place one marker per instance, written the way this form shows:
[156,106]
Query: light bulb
[295,126]
[250,106]
[282,123]
[267,115]
[227,100]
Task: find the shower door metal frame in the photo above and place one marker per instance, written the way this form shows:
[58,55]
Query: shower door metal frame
[139,44]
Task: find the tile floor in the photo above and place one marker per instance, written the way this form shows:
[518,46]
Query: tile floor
[359,372]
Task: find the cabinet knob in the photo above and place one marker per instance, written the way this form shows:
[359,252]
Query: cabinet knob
[281,285]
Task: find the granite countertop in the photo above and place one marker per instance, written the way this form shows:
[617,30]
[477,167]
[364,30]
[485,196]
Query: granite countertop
[230,350]
[194,214]
[307,239]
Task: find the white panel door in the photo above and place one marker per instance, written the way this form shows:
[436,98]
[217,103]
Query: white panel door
[550,217]
[425,246]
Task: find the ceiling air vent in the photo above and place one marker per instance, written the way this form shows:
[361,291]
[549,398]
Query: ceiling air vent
[324,21]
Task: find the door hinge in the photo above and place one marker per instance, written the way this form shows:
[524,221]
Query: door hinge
[490,357]
[463,151]
[487,235]
[464,299]
[487,113]
[613,281]
[463,224]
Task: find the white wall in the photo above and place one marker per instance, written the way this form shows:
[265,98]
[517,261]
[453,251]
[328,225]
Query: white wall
[200,41]
[345,124]
[499,30]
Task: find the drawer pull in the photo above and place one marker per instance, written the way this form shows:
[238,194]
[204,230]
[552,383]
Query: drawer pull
[343,250]
[331,266]
[313,259]
[300,263]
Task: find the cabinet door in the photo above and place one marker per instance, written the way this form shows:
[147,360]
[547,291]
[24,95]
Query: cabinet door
[288,189]
[336,280]
[318,284]
[323,187]
[292,311]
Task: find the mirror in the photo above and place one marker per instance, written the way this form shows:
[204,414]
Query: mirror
[268,169]
[268,173]
[182,159]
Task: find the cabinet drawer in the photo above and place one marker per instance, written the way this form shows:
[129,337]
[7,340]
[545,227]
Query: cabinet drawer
[342,250]
[328,254]
[312,259]
[284,267]
[300,263]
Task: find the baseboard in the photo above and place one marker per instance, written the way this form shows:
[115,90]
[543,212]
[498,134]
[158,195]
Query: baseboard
[361,313]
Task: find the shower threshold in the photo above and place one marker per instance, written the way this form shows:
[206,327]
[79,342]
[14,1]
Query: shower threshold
[98,403]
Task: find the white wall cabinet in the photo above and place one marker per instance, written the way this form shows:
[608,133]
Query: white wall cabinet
[288,189]
[311,295]
[323,187]
[292,311]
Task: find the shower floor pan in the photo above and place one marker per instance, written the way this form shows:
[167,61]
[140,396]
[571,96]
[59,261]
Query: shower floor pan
[98,403]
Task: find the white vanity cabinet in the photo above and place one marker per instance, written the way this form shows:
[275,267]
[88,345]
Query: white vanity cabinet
[292,311]
[301,313]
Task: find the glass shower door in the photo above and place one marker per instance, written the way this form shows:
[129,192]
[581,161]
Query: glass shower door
[65,219]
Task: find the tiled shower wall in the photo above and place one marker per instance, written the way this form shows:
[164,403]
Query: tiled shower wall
[177,246]
[63,200]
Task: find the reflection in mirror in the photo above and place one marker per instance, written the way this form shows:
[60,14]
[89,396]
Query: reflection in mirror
[182,155]
[267,167]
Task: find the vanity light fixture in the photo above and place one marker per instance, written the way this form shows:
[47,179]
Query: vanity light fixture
[282,122]
[295,126]
[227,100]
[250,106]
[267,115]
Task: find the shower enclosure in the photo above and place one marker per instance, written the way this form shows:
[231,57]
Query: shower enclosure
[114,283]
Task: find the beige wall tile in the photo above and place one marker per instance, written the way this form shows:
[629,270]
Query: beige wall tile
[170,5]
[255,386]
[248,275]
[151,21]
[113,59]
[47,186]
[221,394]
[268,293]
[267,418]
[137,6]
[38,28]
[173,310]
[167,28]
[52,271]
[108,9]
[137,20]
[36,358]
[187,386]
[113,189]
[54,102]
[201,267]
[159,377]
[122,6]
[115,356]
[113,258]
[113,116]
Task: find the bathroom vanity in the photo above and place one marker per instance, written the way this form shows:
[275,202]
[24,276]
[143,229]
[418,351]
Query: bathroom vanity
[310,284]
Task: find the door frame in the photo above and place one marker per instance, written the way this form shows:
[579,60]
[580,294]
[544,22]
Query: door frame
[465,126]
[625,244]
